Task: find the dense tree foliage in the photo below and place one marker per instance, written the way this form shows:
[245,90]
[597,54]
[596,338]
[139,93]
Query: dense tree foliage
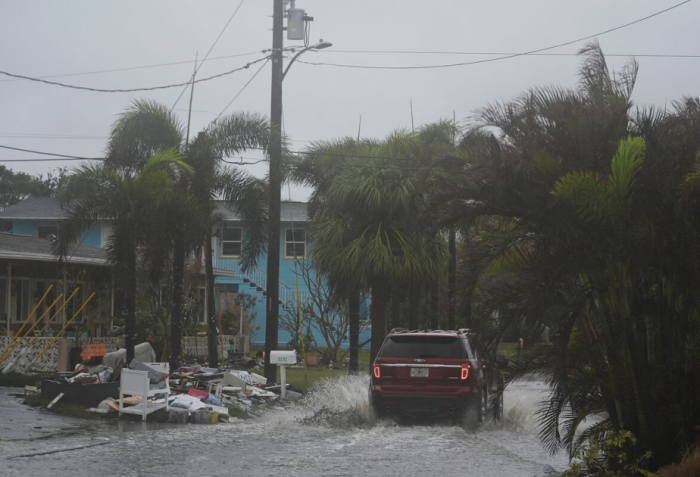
[16,186]
[580,215]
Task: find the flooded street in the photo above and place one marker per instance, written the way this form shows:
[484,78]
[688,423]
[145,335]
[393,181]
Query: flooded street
[296,441]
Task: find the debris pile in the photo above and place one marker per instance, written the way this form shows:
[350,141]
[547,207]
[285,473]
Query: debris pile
[246,390]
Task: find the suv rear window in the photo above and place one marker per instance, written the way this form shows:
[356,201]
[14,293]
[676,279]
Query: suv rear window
[423,347]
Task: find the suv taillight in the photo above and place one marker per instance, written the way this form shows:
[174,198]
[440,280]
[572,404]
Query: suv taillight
[376,371]
[465,370]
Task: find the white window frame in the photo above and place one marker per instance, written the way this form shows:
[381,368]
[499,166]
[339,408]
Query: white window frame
[27,301]
[76,302]
[306,249]
[222,242]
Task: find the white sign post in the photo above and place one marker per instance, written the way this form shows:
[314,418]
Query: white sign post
[282,359]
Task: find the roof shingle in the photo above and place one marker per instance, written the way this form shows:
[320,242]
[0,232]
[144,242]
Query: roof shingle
[47,208]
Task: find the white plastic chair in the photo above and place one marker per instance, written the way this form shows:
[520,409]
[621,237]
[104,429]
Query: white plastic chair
[136,383]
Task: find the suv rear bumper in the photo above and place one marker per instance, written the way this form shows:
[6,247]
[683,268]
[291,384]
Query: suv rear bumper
[417,403]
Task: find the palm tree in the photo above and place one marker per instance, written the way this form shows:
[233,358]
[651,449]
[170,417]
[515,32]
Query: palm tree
[364,223]
[133,202]
[603,252]
[318,169]
[241,192]
[147,127]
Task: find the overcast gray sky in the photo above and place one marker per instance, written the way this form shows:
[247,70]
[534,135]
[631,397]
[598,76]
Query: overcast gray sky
[50,37]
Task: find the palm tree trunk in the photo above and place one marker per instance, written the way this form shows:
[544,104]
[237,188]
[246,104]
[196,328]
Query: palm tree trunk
[395,310]
[130,305]
[451,279]
[671,381]
[377,313]
[414,300]
[434,307]
[211,305]
[640,375]
[176,313]
[354,317]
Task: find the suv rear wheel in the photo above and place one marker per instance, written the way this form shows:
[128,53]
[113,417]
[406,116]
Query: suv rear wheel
[475,412]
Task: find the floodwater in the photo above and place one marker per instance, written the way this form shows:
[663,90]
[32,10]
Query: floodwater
[326,434]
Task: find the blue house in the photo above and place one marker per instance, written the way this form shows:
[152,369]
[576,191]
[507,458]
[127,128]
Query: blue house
[30,271]
[37,218]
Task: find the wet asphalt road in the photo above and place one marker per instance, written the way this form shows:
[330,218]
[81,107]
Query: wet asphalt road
[35,442]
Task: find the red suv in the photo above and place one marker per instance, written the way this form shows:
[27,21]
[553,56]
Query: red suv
[434,372]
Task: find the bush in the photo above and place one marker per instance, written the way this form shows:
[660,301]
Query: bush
[613,456]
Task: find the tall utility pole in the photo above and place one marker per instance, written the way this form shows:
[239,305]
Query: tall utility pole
[275,151]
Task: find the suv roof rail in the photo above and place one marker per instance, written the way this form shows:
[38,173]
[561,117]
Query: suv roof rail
[463,331]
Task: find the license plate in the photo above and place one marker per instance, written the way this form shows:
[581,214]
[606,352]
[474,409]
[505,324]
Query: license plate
[419,372]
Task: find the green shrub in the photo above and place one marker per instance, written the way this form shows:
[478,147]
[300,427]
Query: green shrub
[613,456]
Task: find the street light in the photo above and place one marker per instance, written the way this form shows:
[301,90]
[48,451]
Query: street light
[322,45]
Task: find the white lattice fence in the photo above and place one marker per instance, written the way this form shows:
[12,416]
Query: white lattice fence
[191,346]
[197,346]
[49,360]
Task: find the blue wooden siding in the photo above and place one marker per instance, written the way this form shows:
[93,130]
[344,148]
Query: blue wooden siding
[91,238]
[287,277]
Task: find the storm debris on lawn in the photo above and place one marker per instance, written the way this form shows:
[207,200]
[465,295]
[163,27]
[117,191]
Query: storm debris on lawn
[247,390]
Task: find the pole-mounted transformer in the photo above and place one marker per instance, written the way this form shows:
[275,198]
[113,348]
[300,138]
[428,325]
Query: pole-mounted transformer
[296,22]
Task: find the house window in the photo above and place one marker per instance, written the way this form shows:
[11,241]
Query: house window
[231,242]
[74,305]
[295,243]
[19,304]
[43,231]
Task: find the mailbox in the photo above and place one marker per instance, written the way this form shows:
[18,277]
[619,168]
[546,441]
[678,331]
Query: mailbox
[283,358]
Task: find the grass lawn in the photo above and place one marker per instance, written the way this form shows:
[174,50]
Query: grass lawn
[510,350]
[295,376]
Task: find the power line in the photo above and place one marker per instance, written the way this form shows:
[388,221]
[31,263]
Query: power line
[489,60]
[51,159]
[387,52]
[99,90]
[241,91]
[497,53]
[130,68]
[13,136]
[207,55]
[51,154]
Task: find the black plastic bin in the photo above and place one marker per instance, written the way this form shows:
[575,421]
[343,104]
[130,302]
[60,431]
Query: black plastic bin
[89,395]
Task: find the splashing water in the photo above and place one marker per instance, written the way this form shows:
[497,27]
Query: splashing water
[338,394]
[338,402]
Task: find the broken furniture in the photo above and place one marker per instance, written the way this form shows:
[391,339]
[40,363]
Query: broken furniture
[89,395]
[137,383]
